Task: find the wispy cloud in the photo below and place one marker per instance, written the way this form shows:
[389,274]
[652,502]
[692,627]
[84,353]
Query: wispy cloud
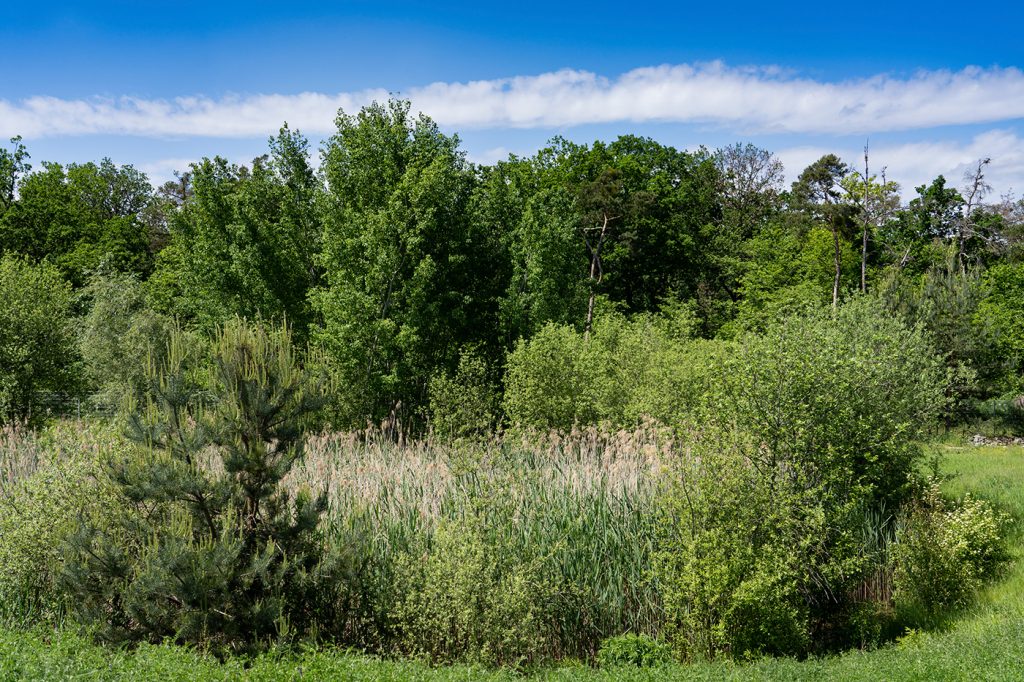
[748,99]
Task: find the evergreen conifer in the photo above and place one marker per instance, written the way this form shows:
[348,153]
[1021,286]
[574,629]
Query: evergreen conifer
[212,549]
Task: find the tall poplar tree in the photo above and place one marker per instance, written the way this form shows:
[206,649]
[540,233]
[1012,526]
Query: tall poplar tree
[400,256]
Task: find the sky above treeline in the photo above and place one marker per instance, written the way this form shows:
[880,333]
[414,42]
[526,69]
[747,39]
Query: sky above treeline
[933,87]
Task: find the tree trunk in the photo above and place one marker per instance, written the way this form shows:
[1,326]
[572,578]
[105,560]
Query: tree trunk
[839,263]
[976,191]
[596,274]
[864,234]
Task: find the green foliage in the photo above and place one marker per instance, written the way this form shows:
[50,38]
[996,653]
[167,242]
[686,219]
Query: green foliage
[628,371]
[784,273]
[37,338]
[1002,414]
[943,553]
[216,552]
[547,383]
[662,212]
[560,533]
[40,509]
[661,242]
[400,258]
[981,643]
[751,182]
[119,334]
[641,651]
[245,242]
[585,272]
[950,305]
[466,599]
[548,281]
[802,427]
[79,216]
[1004,308]
[457,545]
[13,164]
[985,649]
[846,393]
[739,554]
[466,403]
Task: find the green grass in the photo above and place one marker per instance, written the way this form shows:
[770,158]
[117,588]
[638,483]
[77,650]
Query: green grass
[984,643]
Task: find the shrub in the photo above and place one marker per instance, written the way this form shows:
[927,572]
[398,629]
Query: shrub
[466,599]
[40,511]
[943,553]
[641,651]
[464,404]
[219,553]
[1004,307]
[741,557]
[627,372]
[119,335]
[37,339]
[548,383]
[803,428]
[842,395]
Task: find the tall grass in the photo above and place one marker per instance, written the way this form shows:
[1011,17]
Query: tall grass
[20,456]
[578,509]
[24,451]
[984,643]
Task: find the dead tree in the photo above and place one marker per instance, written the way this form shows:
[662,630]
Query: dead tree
[596,271]
[864,232]
[976,189]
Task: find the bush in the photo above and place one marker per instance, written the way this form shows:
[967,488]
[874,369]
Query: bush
[464,404]
[641,651]
[627,372]
[803,428]
[464,600]
[550,381]
[37,338]
[942,554]
[950,305]
[119,335]
[740,554]
[1004,307]
[40,511]
[844,395]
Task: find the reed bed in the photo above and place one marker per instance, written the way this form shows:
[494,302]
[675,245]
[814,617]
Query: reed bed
[578,508]
[572,513]
[23,451]
[356,469]
[20,455]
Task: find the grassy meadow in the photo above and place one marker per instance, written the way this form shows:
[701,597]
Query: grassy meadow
[407,488]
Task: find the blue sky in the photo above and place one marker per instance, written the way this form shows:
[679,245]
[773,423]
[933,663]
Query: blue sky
[935,86]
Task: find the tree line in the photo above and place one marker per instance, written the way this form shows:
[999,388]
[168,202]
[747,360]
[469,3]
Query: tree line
[410,273]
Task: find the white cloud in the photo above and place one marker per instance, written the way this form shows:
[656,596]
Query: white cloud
[749,99]
[162,170]
[231,116]
[494,154]
[918,163]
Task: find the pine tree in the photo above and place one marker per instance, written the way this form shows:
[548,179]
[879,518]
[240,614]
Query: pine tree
[214,551]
